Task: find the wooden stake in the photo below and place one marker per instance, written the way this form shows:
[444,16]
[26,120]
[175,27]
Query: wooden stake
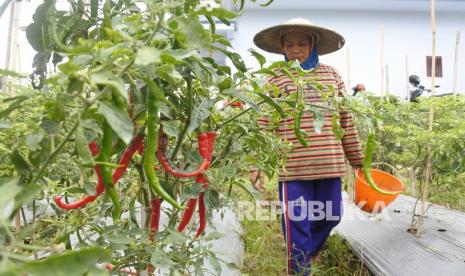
[407,88]
[349,77]
[382,63]
[456,63]
[425,186]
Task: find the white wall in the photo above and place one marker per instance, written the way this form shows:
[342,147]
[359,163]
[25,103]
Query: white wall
[405,33]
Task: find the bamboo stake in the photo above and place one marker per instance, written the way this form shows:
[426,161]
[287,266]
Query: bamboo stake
[382,63]
[387,80]
[14,43]
[349,76]
[8,44]
[407,90]
[425,186]
[456,63]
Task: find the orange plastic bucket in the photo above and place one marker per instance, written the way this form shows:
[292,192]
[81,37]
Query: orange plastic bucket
[367,198]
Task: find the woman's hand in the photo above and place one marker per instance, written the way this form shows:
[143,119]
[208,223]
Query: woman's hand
[258,180]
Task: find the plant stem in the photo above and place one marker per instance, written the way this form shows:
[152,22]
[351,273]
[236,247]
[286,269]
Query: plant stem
[237,116]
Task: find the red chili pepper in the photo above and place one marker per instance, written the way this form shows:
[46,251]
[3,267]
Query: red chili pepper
[206,151]
[202,215]
[155,209]
[163,144]
[188,213]
[98,190]
[238,104]
[125,159]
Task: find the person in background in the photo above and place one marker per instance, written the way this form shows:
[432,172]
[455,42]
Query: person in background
[312,175]
[358,88]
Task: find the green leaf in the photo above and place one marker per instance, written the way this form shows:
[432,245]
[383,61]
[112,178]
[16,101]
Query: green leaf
[55,110]
[271,102]
[169,73]
[213,236]
[241,7]
[200,113]
[267,3]
[251,192]
[218,12]
[213,260]
[318,121]
[237,61]
[27,194]
[238,94]
[261,59]
[171,128]
[199,267]
[107,78]
[4,72]
[17,101]
[191,33]
[337,129]
[119,121]
[147,55]
[82,147]
[33,140]
[8,190]
[21,164]
[70,263]
[212,199]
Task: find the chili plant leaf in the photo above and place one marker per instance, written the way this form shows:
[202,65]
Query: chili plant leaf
[318,121]
[271,103]
[119,121]
[70,263]
[17,101]
[8,190]
[261,59]
[107,78]
[191,33]
[147,55]
[213,260]
[81,146]
[337,129]
[200,113]
[20,162]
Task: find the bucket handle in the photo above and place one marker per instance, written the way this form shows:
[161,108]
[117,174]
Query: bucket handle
[394,169]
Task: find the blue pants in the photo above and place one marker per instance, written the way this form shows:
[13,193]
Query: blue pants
[311,209]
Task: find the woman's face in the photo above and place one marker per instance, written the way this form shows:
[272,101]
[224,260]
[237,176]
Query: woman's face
[297,46]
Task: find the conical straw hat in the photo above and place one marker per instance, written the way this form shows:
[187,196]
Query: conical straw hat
[269,39]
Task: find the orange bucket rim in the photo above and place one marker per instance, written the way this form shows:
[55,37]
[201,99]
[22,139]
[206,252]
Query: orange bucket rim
[383,172]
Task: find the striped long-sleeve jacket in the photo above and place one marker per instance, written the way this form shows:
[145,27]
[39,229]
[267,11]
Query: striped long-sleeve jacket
[324,158]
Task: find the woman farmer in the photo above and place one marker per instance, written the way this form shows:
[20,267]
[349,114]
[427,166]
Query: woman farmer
[310,185]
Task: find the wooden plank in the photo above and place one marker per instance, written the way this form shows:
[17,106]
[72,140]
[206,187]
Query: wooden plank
[385,246]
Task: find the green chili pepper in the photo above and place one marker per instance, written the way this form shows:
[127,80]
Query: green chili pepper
[105,154]
[52,29]
[75,19]
[151,145]
[297,123]
[94,9]
[371,146]
[107,14]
